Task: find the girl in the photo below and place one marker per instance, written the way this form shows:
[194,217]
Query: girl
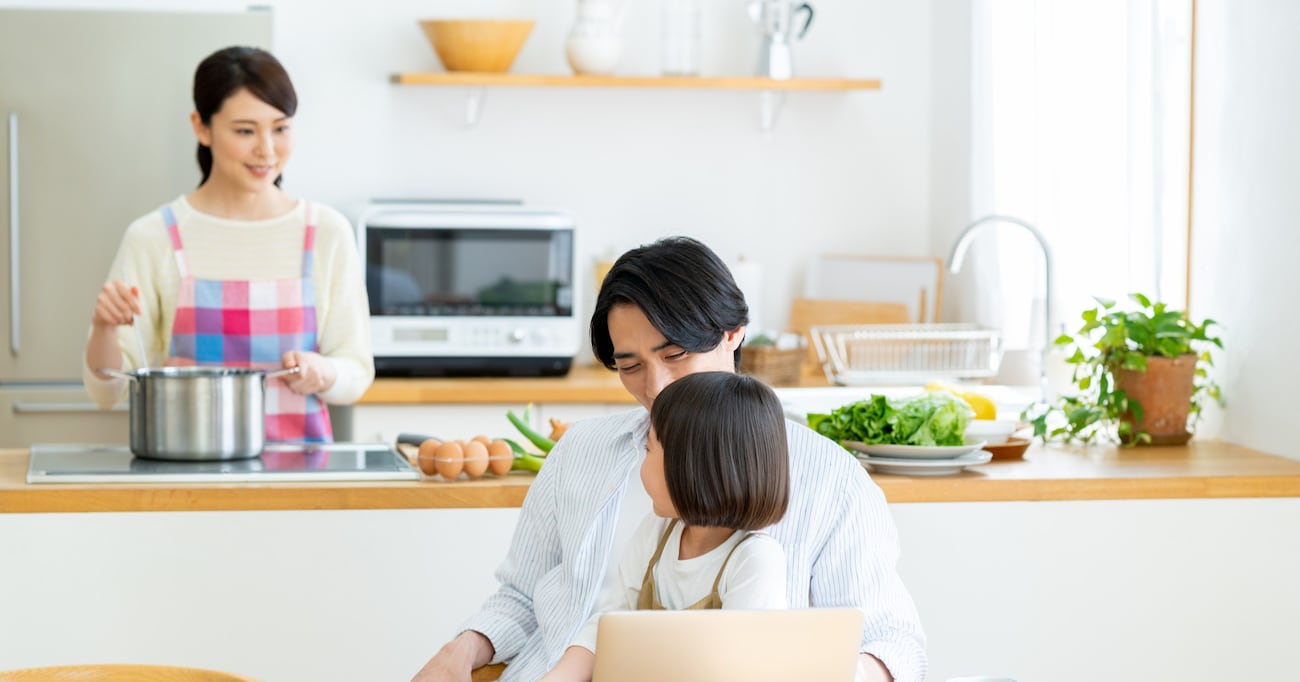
[238,273]
[717,471]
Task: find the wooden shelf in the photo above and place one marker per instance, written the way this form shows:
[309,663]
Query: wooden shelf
[665,82]
[771,92]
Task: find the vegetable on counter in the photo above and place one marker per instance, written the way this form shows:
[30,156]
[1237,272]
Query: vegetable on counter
[558,427]
[524,460]
[929,419]
[542,442]
[984,408]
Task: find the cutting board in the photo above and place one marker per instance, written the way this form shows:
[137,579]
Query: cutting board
[806,313]
[917,283]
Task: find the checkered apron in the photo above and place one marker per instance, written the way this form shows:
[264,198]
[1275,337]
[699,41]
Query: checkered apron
[252,323]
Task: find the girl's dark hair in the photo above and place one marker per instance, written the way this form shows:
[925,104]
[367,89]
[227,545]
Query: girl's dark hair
[227,71]
[726,460]
[683,288]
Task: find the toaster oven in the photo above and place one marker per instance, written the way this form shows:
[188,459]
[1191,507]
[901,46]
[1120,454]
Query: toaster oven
[469,288]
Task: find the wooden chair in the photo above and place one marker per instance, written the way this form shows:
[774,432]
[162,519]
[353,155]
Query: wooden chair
[120,672]
[488,673]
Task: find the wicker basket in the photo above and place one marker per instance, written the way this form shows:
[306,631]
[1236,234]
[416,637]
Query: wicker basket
[776,367]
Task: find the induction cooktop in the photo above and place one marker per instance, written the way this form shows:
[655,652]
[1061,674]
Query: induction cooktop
[83,463]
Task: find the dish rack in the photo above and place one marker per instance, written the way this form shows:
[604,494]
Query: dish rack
[906,353]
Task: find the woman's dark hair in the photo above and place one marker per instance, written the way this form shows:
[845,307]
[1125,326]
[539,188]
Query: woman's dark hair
[683,288]
[726,460]
[227,71]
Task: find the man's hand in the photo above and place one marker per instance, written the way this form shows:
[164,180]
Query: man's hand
[870,669]
[457,659]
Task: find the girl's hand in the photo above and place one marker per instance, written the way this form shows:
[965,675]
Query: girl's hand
[117,305]
[317,374]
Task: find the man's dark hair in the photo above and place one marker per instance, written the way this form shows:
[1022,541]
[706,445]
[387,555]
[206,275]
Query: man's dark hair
[683,288]
[726,460]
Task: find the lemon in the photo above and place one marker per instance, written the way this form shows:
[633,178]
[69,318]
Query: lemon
[984,408]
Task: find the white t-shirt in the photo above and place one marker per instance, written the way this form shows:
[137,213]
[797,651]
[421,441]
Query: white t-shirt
[754,577]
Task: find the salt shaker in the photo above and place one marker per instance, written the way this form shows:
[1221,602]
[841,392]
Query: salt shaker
[682,37]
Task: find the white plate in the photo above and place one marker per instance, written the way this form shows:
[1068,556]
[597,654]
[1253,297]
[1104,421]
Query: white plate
[916,451]
[925,467]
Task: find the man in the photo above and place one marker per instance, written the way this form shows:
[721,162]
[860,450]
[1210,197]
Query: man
[664,311]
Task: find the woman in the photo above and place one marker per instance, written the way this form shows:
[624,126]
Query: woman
[237,273]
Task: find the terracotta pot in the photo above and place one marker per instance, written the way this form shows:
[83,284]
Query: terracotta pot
[1165,393]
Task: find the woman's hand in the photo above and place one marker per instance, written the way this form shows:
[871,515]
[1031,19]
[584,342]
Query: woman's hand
[316,376]
[117,305]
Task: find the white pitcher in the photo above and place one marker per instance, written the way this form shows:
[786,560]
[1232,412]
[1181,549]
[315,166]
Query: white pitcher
[596,42]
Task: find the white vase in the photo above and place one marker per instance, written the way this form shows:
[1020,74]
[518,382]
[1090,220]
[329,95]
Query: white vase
[595,43]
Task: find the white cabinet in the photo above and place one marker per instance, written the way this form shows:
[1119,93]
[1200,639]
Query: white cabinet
[58,414]
[382,423]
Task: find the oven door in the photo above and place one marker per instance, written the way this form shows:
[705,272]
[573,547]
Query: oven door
[465,290]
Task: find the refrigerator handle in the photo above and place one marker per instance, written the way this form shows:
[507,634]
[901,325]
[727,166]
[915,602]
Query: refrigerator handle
[13,234]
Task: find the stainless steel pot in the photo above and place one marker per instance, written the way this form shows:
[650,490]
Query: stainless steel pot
[198,413]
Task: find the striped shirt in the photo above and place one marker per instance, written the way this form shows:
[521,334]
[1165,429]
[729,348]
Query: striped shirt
[839,539]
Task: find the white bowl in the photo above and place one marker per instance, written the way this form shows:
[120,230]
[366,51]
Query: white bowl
[992,431]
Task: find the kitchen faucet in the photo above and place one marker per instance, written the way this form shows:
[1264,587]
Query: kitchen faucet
[968,235]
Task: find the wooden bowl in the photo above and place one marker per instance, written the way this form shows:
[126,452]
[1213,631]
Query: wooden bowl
[481,45]
[1014,448]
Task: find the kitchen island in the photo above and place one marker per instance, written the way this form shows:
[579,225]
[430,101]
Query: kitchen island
[1199,470]
[1073,564]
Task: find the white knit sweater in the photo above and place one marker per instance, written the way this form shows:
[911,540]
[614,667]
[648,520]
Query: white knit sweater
[217,248]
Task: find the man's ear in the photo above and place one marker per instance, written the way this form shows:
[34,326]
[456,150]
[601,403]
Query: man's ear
[731,340]
[201,131]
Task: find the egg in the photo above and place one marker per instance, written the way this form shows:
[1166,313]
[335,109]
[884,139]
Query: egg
[426,454]
[476,458]
[500,457]
[449,460]
[483,439]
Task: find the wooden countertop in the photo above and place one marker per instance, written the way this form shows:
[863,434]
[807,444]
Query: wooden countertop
[1196,471]
[583,384]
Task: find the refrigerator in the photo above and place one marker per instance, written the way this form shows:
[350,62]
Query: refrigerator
[95,107]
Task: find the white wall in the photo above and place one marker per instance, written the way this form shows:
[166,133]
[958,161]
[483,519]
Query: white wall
[1245,240]
[840,172]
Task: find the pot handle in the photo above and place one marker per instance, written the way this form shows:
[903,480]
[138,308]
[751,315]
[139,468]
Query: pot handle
[115,373]
[283,372]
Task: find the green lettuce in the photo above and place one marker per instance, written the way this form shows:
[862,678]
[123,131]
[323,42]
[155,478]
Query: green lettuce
[935,418]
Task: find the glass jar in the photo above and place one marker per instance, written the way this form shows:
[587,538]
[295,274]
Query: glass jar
[682,37]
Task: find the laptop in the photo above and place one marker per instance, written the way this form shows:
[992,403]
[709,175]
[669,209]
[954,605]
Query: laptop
[721,645]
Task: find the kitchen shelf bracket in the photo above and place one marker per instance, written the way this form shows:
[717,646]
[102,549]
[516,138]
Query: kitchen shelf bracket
[770,102]
[474,105]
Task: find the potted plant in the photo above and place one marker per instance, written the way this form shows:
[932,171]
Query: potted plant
[1140,376]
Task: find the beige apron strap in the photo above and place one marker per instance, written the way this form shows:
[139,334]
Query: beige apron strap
[649,599]
[723,569]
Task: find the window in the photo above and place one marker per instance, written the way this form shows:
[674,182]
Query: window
[1080,127]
